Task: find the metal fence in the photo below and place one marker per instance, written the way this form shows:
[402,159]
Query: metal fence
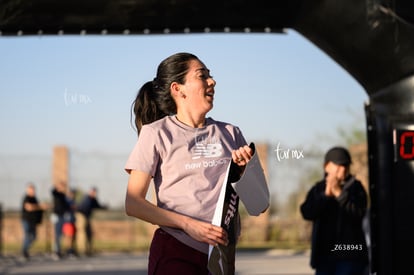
[102,170]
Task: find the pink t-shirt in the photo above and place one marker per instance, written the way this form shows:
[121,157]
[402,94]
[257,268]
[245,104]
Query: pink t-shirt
[188,166]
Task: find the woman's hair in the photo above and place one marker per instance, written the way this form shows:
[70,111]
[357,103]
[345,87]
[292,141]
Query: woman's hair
[154,100]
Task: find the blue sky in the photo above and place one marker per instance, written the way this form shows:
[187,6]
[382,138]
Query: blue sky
[77,90]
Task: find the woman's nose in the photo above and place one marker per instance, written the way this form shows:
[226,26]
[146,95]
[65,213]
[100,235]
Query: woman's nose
[212,82]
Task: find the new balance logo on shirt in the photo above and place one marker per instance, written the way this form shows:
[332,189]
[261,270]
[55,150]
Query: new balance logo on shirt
[209,150]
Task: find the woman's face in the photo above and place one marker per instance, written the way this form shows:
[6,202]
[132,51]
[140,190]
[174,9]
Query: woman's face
[198,88]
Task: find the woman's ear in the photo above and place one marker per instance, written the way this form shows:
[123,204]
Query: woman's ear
[175,89]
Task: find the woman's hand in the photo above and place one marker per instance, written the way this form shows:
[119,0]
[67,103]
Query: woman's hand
[206,232]
[242,155]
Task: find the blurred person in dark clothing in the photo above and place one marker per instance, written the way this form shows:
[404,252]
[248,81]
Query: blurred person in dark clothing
[60,207]
[69,226]
[336,205]
[32,213]
[83,219]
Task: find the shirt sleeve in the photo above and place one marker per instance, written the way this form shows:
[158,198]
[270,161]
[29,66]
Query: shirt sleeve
[144,157]
[240,140]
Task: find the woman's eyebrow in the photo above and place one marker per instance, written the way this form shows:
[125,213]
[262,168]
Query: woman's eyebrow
[203,70]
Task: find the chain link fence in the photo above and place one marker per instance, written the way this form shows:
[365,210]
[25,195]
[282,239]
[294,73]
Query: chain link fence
[102,170]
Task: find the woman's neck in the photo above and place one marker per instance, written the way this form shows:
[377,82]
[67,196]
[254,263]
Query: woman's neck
[192,121]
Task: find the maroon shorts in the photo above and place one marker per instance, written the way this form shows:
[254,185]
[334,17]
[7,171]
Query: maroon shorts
[170,256]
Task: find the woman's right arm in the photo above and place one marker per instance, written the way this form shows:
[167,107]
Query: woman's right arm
[138,206]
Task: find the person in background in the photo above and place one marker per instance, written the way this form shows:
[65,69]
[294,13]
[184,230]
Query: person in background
[336,205]
[85,210]
[32,212]
[69,226]
[60,207]
[186,155]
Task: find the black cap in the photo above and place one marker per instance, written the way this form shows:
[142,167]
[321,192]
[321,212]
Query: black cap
[339,156]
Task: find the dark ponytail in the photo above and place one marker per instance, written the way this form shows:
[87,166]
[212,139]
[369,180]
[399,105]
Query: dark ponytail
[145,106]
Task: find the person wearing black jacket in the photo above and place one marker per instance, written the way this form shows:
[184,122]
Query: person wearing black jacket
[83,220]
[336,205]
[32,212]
[60,207]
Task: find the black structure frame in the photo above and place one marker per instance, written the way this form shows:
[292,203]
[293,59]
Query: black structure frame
[371,39]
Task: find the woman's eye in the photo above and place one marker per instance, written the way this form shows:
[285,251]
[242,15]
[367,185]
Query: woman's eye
[206,76]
